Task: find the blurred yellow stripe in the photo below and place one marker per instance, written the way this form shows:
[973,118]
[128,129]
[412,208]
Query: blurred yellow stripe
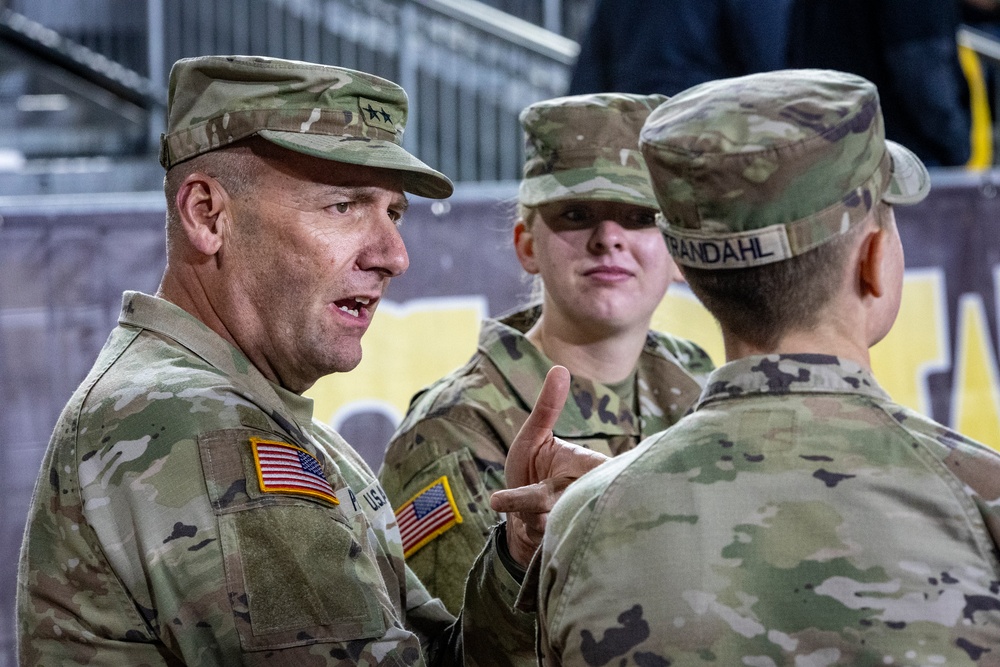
[981,135]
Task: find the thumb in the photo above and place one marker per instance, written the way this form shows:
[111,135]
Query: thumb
[537,428]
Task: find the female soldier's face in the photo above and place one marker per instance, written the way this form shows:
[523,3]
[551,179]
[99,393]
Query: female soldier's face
[605,265]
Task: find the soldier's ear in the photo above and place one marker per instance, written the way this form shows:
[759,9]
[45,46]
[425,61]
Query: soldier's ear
[524,246]
[203,207]
[871,264]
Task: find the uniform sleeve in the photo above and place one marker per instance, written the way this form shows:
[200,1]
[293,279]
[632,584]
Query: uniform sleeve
[72,607]
[978,468]
[467,453]
[565,540]
[490,630]
[133,509]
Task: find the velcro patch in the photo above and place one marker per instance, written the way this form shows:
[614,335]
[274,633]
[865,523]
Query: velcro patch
[375,114]
[426,515]
[284,468]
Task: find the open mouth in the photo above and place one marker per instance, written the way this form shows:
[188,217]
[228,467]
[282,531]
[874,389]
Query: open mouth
[354,305]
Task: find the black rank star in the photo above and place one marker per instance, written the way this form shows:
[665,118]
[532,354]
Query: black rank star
[386,117]
[372,113]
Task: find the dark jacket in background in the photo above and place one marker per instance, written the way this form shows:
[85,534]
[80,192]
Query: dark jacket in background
[905,47]
[665,46]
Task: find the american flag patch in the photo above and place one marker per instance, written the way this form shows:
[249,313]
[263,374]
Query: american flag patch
[427,515]
[284,468]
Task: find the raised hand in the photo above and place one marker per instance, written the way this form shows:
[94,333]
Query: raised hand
[539,468]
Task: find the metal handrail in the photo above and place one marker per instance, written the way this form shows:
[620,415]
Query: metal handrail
[80,60]
[469,68]
[985,45]
[500,24]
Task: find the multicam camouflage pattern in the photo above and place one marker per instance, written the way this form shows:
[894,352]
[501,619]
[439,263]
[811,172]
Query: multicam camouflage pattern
[151,542]
[586,147]
[328,112]
[462,426]
[774,163]
[797,517]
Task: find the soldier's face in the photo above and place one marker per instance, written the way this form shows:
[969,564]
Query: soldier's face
[605,265]
[315,246]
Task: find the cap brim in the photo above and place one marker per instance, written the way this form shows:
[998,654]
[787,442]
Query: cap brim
[418,178]
[584,184]
[910,181]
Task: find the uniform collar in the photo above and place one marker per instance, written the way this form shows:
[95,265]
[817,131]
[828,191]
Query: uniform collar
[777,374]
[291,411]
[592,408]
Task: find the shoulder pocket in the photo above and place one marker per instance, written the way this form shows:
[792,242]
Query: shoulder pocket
[298,570]
[470,487]
[442,558]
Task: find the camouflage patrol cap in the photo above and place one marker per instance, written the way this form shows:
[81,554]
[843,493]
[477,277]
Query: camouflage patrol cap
[758,169]
[327,112]
[586,147]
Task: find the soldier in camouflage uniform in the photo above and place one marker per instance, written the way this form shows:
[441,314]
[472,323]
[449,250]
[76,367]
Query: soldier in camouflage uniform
[587,227]
[189,509]
[797,516]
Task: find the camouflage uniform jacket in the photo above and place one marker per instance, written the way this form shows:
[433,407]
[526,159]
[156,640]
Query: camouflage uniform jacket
[462,426]
[796,517]
[161,534]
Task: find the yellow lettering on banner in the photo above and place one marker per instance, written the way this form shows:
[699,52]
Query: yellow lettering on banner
[406,348]
[918,342]
[681,314]
[975,401]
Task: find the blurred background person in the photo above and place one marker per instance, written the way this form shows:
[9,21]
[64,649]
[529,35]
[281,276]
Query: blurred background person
[658,46]
[586,226]
[908,49]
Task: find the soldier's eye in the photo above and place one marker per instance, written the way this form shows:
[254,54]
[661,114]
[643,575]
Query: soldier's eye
[641,220]
[575,215]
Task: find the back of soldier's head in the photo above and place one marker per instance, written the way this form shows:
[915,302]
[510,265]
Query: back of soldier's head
[761,178]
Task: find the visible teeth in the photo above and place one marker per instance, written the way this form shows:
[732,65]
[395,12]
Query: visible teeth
[348,310]
[363,300]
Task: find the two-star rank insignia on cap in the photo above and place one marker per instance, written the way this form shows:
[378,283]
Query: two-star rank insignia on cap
[427,515]
[284,468]
[375,114]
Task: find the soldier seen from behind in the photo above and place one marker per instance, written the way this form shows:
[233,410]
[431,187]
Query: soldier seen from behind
[586,227]
[798,516]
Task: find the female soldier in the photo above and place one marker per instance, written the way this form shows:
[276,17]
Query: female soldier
[586,226]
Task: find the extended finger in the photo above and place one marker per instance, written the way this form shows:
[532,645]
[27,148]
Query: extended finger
[549,404]
[533,498]
[537,428]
